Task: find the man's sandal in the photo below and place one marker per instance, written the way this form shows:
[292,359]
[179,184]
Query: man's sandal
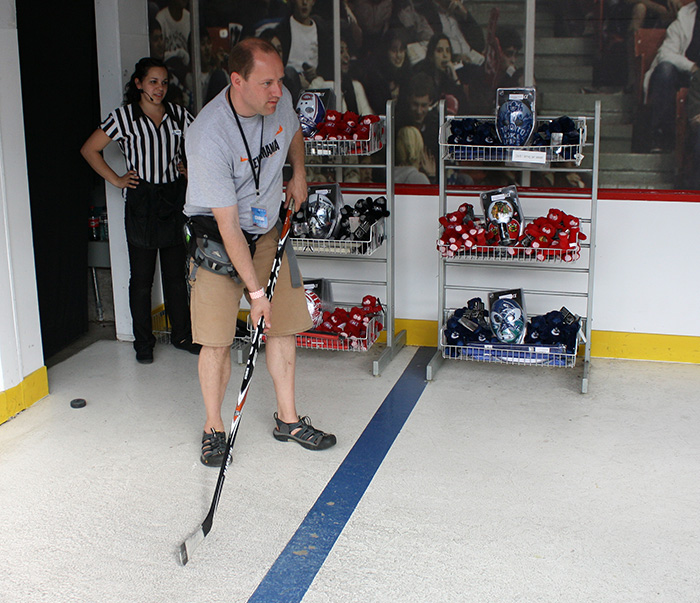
[307,435]
[213,448]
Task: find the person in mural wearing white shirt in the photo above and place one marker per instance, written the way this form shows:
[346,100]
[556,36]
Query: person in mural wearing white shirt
[174,20]
[307,43]
[674,64]
[452,18]
[353,97]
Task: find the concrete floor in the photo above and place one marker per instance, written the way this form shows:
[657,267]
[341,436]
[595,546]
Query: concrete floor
[504,484]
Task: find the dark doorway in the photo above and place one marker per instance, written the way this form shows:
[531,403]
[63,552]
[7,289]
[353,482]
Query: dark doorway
[58,64]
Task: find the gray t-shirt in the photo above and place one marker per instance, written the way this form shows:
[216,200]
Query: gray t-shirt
[218,169]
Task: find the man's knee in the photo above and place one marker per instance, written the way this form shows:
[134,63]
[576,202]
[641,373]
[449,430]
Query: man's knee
[216,352]
[664,74]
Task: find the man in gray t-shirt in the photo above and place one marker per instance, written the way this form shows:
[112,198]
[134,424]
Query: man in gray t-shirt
[236,149]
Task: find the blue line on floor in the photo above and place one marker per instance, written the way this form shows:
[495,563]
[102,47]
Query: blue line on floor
[292,573]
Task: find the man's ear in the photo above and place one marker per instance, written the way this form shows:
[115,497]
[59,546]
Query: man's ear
[236,79]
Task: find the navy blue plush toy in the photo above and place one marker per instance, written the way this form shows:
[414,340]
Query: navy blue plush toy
[569,135]
[468,325]
[555,327]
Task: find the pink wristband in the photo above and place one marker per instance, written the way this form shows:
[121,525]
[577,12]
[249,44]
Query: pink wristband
[257,294]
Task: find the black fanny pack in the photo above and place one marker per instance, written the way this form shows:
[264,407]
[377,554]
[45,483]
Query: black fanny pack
[206,247]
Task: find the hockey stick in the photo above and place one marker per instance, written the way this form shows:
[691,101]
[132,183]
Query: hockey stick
[189,545]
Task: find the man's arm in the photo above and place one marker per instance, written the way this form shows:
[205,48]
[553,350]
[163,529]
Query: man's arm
[296,187]
[678,36]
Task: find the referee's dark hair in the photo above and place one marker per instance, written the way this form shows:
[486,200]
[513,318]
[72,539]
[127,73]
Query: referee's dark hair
[242,57]
[131,93]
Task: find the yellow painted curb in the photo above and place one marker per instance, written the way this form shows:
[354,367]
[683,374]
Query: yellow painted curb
[33,388]
[645,346]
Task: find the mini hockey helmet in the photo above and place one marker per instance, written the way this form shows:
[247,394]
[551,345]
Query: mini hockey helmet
[322,216]
[507,321]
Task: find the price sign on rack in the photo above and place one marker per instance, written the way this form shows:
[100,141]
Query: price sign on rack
[529,156]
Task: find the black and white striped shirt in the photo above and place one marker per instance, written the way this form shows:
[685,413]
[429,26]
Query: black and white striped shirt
[153,152]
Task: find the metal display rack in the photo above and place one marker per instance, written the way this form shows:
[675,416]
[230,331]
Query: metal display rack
[381,236]
[563,270]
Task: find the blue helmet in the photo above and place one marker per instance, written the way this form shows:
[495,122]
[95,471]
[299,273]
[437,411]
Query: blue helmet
[515,123]
[311,113]
[507,320]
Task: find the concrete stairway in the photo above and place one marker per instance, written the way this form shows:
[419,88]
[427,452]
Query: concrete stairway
[563,74]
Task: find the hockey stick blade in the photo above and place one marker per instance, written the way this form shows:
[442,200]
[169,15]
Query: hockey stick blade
[188,547]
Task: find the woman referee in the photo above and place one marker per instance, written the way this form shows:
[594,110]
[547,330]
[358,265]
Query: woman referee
[150,133]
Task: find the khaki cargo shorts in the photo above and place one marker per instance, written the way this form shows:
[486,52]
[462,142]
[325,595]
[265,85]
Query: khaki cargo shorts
[215,299]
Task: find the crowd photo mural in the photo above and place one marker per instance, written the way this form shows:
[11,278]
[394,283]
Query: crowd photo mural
[637,56]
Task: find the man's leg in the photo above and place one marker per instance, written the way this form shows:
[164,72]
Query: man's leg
[664,83]
[281,364]
[214,374]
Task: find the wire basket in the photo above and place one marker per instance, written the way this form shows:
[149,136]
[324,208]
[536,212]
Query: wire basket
[511,254]
[377,136]
[503,353]
[317,340]
[537,155]
[335,247]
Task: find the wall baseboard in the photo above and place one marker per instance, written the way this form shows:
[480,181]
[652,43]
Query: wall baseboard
[645,346]
[604,344]
[33,388]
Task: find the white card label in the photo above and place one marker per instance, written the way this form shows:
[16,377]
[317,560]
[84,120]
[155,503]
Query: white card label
[530,156]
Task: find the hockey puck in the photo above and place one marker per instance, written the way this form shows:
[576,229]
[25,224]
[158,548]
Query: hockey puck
[78,403]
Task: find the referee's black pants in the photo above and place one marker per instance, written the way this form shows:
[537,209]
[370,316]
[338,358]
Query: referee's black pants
[142,264]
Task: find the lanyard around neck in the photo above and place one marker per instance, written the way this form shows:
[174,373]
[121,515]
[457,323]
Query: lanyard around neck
[256,173]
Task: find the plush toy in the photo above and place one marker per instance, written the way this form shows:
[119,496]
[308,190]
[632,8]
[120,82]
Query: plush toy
[326,325]
[361,132]
[463,214]
[327,131]
[351,118]
[468,325]
[354,327]
[332,115]
[573,225]
[460,231]
[368,120]
[455,217]
[338,319]
[371,305]
[554,328]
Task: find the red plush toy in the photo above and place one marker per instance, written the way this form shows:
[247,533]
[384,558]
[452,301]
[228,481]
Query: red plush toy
[351,118]
[361,132]
[355,327]
[338,319]
[461,216]
[371,305]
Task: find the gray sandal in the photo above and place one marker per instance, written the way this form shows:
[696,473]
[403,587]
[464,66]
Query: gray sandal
[308,436]
[213,448]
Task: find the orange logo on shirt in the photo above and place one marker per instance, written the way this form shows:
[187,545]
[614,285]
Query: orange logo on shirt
[244,159]
[279,131]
